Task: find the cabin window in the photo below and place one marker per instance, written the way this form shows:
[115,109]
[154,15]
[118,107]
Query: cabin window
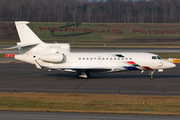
[87,58]
[90,58]
[130,58]
[122,58]
[126,58]
[83,58]
[102,58]
[118,58]
[154,57]
[94,58]
[159,57]
[114,58]
[106,58]
[110,58]
[79,58]
[99,58]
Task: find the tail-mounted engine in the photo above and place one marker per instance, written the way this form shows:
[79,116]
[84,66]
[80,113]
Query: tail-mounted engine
[53,58]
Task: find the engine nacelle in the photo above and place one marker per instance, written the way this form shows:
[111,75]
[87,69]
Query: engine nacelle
[54,58]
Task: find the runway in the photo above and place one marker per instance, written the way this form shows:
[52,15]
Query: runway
[23,77]
[17,115]
[105,49]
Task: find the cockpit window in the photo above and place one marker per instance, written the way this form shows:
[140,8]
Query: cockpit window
[159,57]
[154,57]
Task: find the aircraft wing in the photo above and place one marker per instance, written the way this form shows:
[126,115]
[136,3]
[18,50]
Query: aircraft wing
[101,70]
[79,69]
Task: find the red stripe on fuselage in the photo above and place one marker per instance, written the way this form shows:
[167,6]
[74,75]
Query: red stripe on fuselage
[131,62]
[147,68]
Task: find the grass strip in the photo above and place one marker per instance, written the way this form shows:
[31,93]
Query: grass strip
[8,43]
[91,103]
[126,28]
[2,55]
[168,54]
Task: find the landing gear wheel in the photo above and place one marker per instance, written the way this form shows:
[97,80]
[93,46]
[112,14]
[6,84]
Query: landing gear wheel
[82,74]
[152,77]
[78,75]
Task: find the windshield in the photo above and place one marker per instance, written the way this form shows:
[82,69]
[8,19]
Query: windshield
[159,57]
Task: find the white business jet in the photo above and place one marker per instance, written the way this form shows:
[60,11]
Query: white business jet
[58,57]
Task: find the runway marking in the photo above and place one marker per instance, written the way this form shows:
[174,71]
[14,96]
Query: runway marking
[49,118]
[6,61]
[16,69]
[11,61]
[80,85]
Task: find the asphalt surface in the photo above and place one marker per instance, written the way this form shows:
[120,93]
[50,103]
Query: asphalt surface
[105,49]
[17,115]
[119,49]
[23,77]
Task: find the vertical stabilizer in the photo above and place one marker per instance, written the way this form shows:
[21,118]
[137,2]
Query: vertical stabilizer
[26,35]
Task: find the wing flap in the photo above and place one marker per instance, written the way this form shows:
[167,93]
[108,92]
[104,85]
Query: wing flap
[85,69]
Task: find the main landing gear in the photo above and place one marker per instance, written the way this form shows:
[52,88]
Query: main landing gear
[83,74]
[151,72]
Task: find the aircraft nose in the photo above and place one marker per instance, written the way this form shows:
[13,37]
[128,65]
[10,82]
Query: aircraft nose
[171,65]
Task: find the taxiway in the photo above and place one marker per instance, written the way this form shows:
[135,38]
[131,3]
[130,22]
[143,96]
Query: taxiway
[18,115]
[24,77]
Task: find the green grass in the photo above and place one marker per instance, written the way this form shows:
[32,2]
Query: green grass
[8,43]
[94,103]
[93,44]
[127,32]
[44,34]
[2,56]
[169,55]
[127,39]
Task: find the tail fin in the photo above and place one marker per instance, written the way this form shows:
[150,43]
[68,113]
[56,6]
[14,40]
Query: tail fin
[26,35]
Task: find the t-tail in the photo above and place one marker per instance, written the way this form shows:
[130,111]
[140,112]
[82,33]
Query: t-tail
[26,36]
[31,47]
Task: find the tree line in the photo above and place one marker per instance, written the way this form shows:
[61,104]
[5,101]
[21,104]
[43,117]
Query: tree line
[108,11]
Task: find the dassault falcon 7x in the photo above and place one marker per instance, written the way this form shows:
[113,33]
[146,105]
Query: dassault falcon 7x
[58,57]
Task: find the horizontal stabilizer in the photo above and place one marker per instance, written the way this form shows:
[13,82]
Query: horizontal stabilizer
[22,45]
[14,47]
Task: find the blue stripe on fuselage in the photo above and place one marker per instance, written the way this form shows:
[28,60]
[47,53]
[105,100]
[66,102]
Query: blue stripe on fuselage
[131,68]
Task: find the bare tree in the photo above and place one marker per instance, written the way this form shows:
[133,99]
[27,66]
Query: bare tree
[151,11]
